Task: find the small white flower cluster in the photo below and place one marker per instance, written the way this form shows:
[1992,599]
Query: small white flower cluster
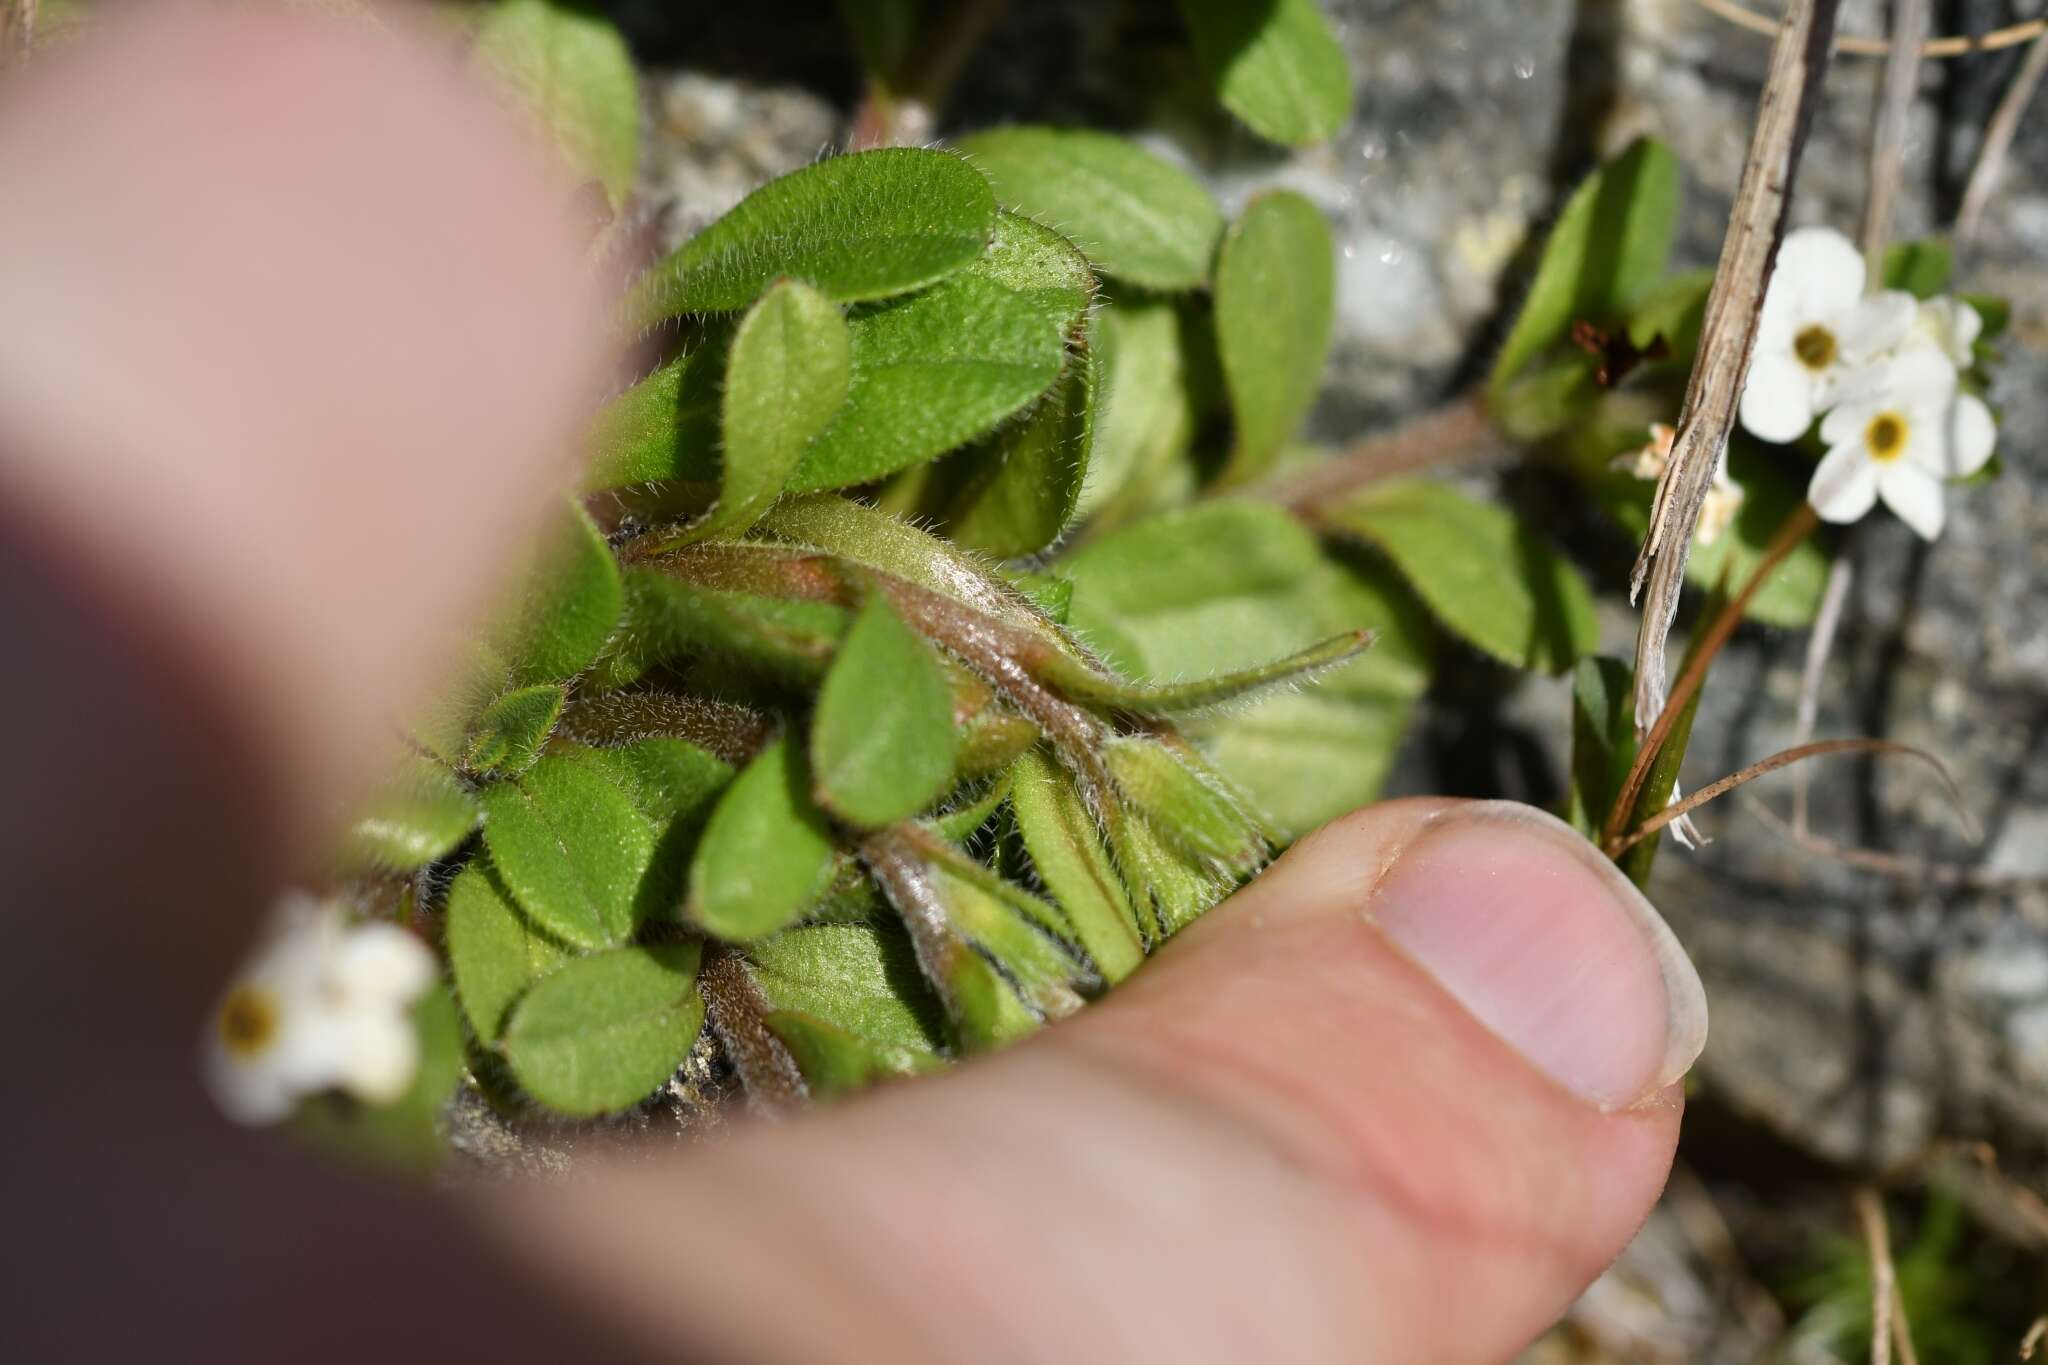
[1724,496]
[323,1005]
[1881,370]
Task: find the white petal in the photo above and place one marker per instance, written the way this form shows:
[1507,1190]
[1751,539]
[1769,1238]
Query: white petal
[383,1055]
[1920,378]
[1877,325]
[1915,495]
[1966,436]
[246,1092]
[1852,415]
[1821,269]
[1844,484]
[382,962]
[1950,326]
[1777,399]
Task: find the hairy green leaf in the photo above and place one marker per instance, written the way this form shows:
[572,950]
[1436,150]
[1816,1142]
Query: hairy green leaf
[862,978]
[569,606]
[666,426]
[510,731]
[1066,850]
[835,1062]
[1921,268]
[606,1031]
[1136,215]
[1603,740]
[1609,245]
[790,368]
[1275,304]
[936,369]
[766,853]
[1023,486]
[1188,808]
[666,620]
[571,848]
[574,70]
[1150,401]
[421,814]
[882,741]
[1481,570]
[494,952]
[1275,64]
[860,227]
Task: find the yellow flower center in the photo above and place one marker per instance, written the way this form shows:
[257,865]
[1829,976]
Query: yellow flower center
[248,1021]
[1885,437]
[1815,347]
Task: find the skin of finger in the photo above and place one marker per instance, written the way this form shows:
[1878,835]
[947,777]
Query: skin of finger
[298,337]
[1280,1141]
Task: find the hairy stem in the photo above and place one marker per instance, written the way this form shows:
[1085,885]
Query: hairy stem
[1454,434]
[738,1014]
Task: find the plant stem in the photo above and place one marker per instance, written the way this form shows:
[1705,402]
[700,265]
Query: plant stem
[1449,435]
[1888,141]
[1795,529]
[905,114]
[738,1015]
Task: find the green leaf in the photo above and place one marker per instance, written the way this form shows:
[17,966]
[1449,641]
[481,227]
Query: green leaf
[494,952]
[790,368]
[766,853]
[605,1032]
[1066,851]
[1171,886]
[509,733]
[958,822]
[882,741]
[1658,785]
[1920,268]
[834,1062]
[404,1135]
[1307,755]
[1010,925]
[665,426]
[1275,64]
[1136,215]
[936,369]
[1149,405]
[1994,310]
[1187,807]
[1275,303]
[667,620]
[574,70]
[571,848]
[419,815]
[862,978]
[1603,740]
[1024,486]
[1481,571]
[1609,246]
[570,605]
[667,779]
[867,226]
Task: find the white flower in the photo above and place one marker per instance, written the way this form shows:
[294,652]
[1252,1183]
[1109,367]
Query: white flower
[1899,436]
[1724,496]
[1950,326]
[323,1005]
[1816,331]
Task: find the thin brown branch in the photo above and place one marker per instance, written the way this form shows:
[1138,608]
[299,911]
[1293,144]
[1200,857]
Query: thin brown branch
[1785,758]
[2012,35]
[738,1014]
[1998,135]
[1902,1332]
[1888,137]
[1749,252]
[1796,528]
[1827,623]
[1458,433]
[2036,1334]
[1883,1276]
[1897,865]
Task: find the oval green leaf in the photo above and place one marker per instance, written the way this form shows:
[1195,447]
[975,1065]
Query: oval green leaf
[1275,64]
[862,978]
[575,72]
[1483,572]
[494,952]
[1135,215]
[1066,850]
[571,848]
[665,426]
[882,741]
[607,1031]
[422,813]
[509,732]
[571,603]
[867,226]
[1275,304]
[766,853]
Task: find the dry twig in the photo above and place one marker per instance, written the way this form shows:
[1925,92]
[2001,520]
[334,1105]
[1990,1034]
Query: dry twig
[1755,228]
[1888,139]
[1456,433]
[1998,135]
[1883,1276]
[2031,1342]
[2012,35]
[1827,622]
